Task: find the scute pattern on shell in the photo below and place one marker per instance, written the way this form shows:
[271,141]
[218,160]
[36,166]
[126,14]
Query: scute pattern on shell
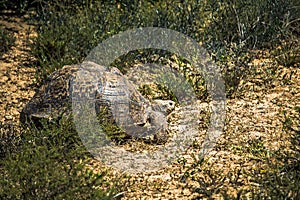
[51,100]
[129,108]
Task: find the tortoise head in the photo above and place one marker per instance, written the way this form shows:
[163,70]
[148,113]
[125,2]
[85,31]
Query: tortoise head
[163,106]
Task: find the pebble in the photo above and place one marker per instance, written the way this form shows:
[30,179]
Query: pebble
[3,79]
[8,117]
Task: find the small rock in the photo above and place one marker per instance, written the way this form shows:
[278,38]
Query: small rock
[3,79]
[8,117]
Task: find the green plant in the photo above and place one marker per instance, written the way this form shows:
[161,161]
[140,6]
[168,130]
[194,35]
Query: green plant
[251,23]
[226,29]
[51,164]
[20,6]
[7,40]
[287,54]
[110,128]
[280,179]
[9,139]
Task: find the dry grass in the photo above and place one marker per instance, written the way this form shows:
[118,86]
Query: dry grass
[256,157]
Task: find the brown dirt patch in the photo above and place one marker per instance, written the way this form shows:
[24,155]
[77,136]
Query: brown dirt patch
[16,77]
[255,117]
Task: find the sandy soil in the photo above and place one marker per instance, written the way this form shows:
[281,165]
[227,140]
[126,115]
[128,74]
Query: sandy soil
[16,75]
[255,115]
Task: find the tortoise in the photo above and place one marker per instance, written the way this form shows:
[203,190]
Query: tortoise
[111,89]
